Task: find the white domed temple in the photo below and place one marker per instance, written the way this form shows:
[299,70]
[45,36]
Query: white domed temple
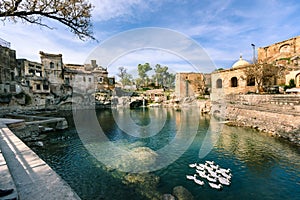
[232,81]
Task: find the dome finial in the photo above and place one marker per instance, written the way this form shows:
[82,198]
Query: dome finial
[240,62]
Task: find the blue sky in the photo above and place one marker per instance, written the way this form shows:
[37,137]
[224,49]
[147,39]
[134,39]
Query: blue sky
[224,28]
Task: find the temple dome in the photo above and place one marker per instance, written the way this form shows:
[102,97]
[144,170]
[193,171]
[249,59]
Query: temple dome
[240,62]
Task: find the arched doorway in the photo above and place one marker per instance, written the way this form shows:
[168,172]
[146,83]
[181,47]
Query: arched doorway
[219,83]
[234,82]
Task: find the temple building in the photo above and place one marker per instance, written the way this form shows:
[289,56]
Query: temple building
[189,84]
[8,64]
[285,54]
[231,81]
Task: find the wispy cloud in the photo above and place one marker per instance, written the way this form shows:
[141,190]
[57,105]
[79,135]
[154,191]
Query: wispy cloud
[105,10]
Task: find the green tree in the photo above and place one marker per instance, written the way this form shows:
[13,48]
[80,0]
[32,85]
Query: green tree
[292,83]
[75,14]
[170,80]
[160,74]
[142,71]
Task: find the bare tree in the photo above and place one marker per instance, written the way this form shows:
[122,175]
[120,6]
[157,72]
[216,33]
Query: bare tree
[263,73]
[255,71]
[124,76]
[75,14]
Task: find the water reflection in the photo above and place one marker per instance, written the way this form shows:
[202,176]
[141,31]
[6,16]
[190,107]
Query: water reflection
[257,150]
[262,167]
[141,123]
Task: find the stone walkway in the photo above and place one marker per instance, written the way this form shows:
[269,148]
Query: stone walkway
[6,181]
[23,170]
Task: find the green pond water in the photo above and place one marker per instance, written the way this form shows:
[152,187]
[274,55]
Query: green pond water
[263,167]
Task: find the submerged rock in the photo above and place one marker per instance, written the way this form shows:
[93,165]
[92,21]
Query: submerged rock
[168,197]
[39,144]
[138,159]
[144,184]
[182,193]
[143,179]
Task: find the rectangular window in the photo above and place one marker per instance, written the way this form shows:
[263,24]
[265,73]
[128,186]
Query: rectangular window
[51,65]
[45,87]
[84,79]
[38,87]
[90,79]
[67,81]
[111,81]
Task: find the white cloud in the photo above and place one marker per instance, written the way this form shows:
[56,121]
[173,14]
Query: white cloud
[29,39]
[106,9]
[224,28]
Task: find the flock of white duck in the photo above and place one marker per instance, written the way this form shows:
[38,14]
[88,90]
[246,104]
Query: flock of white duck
[214,174]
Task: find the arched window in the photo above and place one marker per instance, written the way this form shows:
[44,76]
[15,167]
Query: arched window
[219,83]
[251,81]
[234,82]
[51,65]
[297,80]
[285,48]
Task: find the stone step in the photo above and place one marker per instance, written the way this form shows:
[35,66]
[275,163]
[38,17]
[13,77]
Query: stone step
[285,102]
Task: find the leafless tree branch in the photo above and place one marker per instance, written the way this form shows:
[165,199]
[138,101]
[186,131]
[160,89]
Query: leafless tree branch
[75,14]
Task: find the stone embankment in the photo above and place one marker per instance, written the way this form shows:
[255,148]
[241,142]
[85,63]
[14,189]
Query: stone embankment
[25,172]
[277,115]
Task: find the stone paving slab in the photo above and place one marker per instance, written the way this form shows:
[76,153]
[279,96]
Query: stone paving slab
[10,121]
[6,181]
[33,178]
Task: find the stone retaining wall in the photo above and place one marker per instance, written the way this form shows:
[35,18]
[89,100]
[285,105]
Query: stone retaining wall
[33,178]
[280,125]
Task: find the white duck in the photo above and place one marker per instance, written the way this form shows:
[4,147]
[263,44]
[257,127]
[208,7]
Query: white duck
[190,177]
[213,174]
[215,167]
[210,162]
[200,168]
[199,182]
[211,179]
[226,176]
[202,165]
[201,174]
[215,186]
[193,165]
[224,181]
[225,170]
[208,168]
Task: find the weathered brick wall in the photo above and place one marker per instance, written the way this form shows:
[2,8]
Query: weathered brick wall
[285,49]
[226,76]
[8,63]
[189,84]
[53,66]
